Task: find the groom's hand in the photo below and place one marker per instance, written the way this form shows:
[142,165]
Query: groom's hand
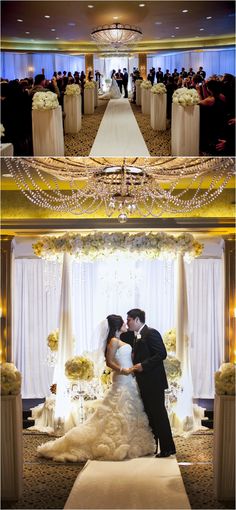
[138,368]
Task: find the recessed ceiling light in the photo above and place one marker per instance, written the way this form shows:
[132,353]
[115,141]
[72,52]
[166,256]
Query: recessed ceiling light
[173,36]
[57,38]
[141,5]
[46,16]
[201,29]
[158,22]
[20,20]
[71,24]
[196,36]
[53,30]
[176,28]
[27,32]
[209,17]
[115,17]
[90,6]
[185,10]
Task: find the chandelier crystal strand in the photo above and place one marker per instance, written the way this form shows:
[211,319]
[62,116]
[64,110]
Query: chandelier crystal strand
[116,36]
[123,189]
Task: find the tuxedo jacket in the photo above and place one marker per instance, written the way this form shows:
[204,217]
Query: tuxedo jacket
[125,78]
[150,351]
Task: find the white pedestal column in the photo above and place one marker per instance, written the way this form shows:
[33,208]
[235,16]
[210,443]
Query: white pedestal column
[6,149]
[224,447]
[72,109]
[12,447]
[88,101]
[185,130]
[47,129]
[146,99]
[138,93]
[158,112]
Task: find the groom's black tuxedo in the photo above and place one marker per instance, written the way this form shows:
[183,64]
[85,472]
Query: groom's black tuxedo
[150,351]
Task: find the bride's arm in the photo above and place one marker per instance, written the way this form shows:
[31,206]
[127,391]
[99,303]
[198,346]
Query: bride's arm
[110,355]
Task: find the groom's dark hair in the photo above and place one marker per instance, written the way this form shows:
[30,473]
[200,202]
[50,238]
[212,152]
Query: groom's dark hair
[136,312]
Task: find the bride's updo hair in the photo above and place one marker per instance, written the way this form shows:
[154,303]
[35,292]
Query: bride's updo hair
[115,323]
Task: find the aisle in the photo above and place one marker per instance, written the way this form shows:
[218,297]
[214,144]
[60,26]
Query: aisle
[145,482]
[119,134]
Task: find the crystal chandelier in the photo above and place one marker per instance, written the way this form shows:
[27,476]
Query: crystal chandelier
[132,186]
[116,35]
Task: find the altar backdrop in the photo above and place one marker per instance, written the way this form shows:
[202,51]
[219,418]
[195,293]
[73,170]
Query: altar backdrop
[115,285]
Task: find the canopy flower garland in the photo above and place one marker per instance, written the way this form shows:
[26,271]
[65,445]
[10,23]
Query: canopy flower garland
[99,245]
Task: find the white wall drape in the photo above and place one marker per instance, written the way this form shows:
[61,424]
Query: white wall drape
[115,286]
[22,65]
[214,61]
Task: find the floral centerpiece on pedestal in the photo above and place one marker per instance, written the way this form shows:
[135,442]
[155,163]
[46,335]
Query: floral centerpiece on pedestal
[106,378]
[159,88]
[53,340]
[146,84]
[89,85]
[79,367]
[225,379]
[2,130]
[72,90]
[172,368]
[45,101]
[10,379]
[185,97]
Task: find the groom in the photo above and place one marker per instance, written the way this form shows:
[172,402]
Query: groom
[148,354]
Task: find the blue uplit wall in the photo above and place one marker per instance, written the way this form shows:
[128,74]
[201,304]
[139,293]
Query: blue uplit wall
[214,61]
[22,65]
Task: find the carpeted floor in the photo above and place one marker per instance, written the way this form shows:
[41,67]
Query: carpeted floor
[80,144]
[47,484]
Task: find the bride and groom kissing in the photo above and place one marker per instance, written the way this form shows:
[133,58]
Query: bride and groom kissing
[131,421]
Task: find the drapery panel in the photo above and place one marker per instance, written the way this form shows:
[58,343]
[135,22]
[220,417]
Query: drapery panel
[22,65]
[115,285]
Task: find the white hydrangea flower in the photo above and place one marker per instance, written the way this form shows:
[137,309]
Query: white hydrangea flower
[72,90]
[45,101]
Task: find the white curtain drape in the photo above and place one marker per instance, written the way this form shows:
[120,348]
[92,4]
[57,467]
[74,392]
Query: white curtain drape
[114,286]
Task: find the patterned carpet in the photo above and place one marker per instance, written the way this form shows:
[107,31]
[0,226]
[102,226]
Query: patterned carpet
[47,484]
[80,144]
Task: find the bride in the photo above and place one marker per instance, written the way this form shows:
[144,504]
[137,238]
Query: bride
[114,91]
[119,428]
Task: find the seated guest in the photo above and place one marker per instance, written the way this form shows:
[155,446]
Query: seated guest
[16,118]
[191,72]
[213,120]
[226,147]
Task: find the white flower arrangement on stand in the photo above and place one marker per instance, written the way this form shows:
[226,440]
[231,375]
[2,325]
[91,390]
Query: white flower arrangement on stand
[173,369]
[79,367]
[225,379]
[2,130]
[52,342]
[146,84]
[45,101]
[185,97]
[10,379]
[89,85]
[158,88]
[72,90]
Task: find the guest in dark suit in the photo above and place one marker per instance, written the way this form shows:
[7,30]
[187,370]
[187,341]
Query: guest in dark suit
[125,82]
[148,354]
[159,75]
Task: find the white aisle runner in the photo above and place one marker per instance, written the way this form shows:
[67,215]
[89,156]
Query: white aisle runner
[145,482]
[118,134]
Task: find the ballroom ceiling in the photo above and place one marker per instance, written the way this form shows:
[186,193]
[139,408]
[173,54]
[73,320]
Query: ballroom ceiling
[68,25]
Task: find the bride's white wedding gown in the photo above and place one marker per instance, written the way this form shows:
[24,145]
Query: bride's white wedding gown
[118,429]
[114,91]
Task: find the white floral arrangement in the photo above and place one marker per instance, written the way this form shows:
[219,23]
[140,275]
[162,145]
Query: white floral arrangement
[45,101]
[100,245]
[159,88]
[170,340]
[173,368]
[225,379]
[146,84]
[2,130]
[79,367]
[53,340]
[89,85]
[10,379]
[106,377]
[72,90]
[186,97]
